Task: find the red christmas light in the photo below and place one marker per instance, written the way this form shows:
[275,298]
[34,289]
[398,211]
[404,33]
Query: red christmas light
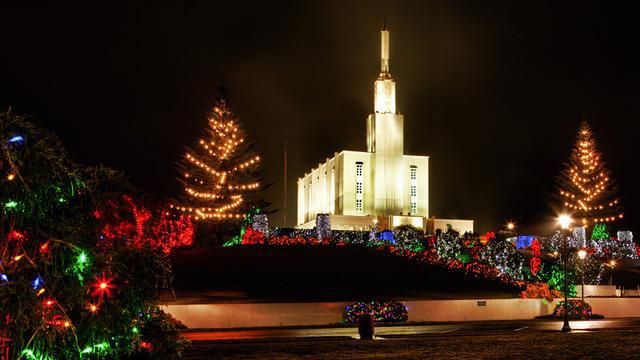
[47,303]
[170,234]
[535,262]
[102,286]
[146,345]
[126,221]
[252,237]
[44,248]
[15,235]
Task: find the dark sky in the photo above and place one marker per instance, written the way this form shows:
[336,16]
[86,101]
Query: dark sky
[492,91]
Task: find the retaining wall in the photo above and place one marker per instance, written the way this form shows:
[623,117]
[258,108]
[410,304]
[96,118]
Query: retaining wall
[308,314]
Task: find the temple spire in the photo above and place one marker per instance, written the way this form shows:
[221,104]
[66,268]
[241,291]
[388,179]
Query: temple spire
[384,50]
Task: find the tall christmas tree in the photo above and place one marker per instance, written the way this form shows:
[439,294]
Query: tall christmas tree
[585,187]
[220,171]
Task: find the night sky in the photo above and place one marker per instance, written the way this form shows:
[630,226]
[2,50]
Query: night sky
[492,91]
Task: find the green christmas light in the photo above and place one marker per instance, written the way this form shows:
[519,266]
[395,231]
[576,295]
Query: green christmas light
[82,258]
[101,348]
[135,330]
[30,355]
[11,204]
[81,264]
[465,258]
[600,232]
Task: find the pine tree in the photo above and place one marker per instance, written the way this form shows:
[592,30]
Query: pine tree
[585,187]
[220,171]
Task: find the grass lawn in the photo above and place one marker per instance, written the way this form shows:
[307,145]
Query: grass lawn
[534,345]
[291,274]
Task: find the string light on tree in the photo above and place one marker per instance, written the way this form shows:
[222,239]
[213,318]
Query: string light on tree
[102,286]
[93,308]
[50,208]
[586,188]
[219,171]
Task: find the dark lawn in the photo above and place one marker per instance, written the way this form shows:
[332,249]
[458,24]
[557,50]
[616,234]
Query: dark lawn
[346,273]
[589,345]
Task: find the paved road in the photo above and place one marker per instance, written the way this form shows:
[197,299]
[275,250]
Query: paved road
[389,332]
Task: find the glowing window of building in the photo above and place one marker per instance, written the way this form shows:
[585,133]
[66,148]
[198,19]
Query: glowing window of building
[359,189]
[413,186]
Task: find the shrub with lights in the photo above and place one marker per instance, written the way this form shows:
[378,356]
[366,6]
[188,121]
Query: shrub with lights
[449,244]
[80,264]
[576,309]
[410,238]
[504,256]
[553,275]
[380,310]
[540,290]
[413,245]
[536,274]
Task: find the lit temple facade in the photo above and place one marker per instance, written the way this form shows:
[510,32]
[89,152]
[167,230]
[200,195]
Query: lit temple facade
[381,185]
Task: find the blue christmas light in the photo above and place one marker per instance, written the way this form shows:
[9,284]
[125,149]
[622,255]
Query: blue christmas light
[4,278]
[387,235]
[37,282]
[524,241]
[16,139]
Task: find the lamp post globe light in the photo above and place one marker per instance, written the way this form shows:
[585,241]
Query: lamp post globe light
[612,264]
[565,222]
[582,254]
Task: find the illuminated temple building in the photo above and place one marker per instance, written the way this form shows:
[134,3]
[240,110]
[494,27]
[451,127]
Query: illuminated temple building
[381,185]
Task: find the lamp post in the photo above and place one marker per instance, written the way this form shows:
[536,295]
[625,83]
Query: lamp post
[582,254]
[565,222]
[612,263]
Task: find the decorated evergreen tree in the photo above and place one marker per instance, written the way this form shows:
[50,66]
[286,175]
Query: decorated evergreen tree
[585,187]
[220,171]
[80,264]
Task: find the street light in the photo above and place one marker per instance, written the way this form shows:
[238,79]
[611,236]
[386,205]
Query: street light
[565,221]
[582,254]
[511,226]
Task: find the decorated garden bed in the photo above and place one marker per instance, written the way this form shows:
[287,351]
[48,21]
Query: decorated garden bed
[576,310]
